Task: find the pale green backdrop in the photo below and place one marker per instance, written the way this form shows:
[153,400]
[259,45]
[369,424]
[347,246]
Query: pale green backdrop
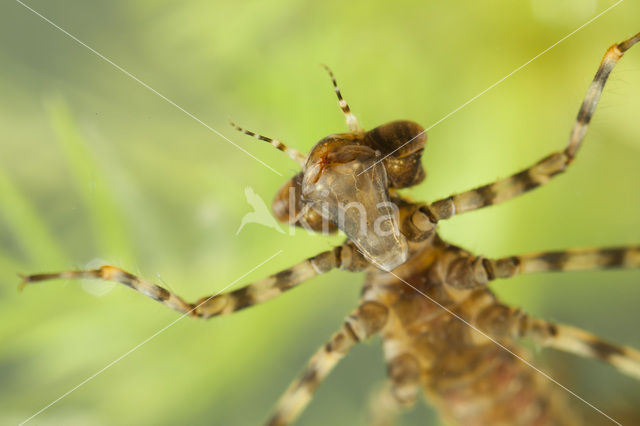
[95,167]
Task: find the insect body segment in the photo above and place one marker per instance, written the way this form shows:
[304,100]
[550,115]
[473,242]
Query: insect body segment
[443,330]
[469,378]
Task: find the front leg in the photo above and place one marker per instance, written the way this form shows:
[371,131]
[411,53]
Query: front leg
[343,257]
[547,168]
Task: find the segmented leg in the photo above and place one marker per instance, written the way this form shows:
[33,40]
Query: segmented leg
[383,408]
[580,342]
[471,271]
[401,391]
[550,166]
[363,323]
[404,374]
[344,257]
[352,121]
[294,154]
[500,320]
[573,260]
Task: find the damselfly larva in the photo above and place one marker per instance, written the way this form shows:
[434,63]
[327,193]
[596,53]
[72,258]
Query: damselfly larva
[443,330]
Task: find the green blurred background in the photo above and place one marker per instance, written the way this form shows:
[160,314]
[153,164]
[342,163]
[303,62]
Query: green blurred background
[95,168]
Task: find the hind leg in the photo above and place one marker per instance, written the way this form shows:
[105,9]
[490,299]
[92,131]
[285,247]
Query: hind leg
[384,407]
[500,320]
[363,323]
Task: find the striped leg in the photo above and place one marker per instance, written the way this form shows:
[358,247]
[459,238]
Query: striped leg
[344,257]
[499,320]
[294,154]
[471,271]
[351,119]
[363,323]
[580,342]
[541,172]
[404,375]
[401,391]
[383,408]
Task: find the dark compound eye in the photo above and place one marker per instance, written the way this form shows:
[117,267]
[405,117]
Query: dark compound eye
[401,144]
[288,208]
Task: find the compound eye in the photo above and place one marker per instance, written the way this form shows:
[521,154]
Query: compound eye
[349,188]
[401,144]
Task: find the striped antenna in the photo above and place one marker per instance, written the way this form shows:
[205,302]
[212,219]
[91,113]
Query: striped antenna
[294,154]
[352,121]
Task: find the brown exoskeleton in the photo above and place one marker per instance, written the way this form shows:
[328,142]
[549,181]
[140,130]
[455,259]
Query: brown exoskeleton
[443,330]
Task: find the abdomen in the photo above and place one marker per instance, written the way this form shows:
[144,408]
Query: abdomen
[469,379]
